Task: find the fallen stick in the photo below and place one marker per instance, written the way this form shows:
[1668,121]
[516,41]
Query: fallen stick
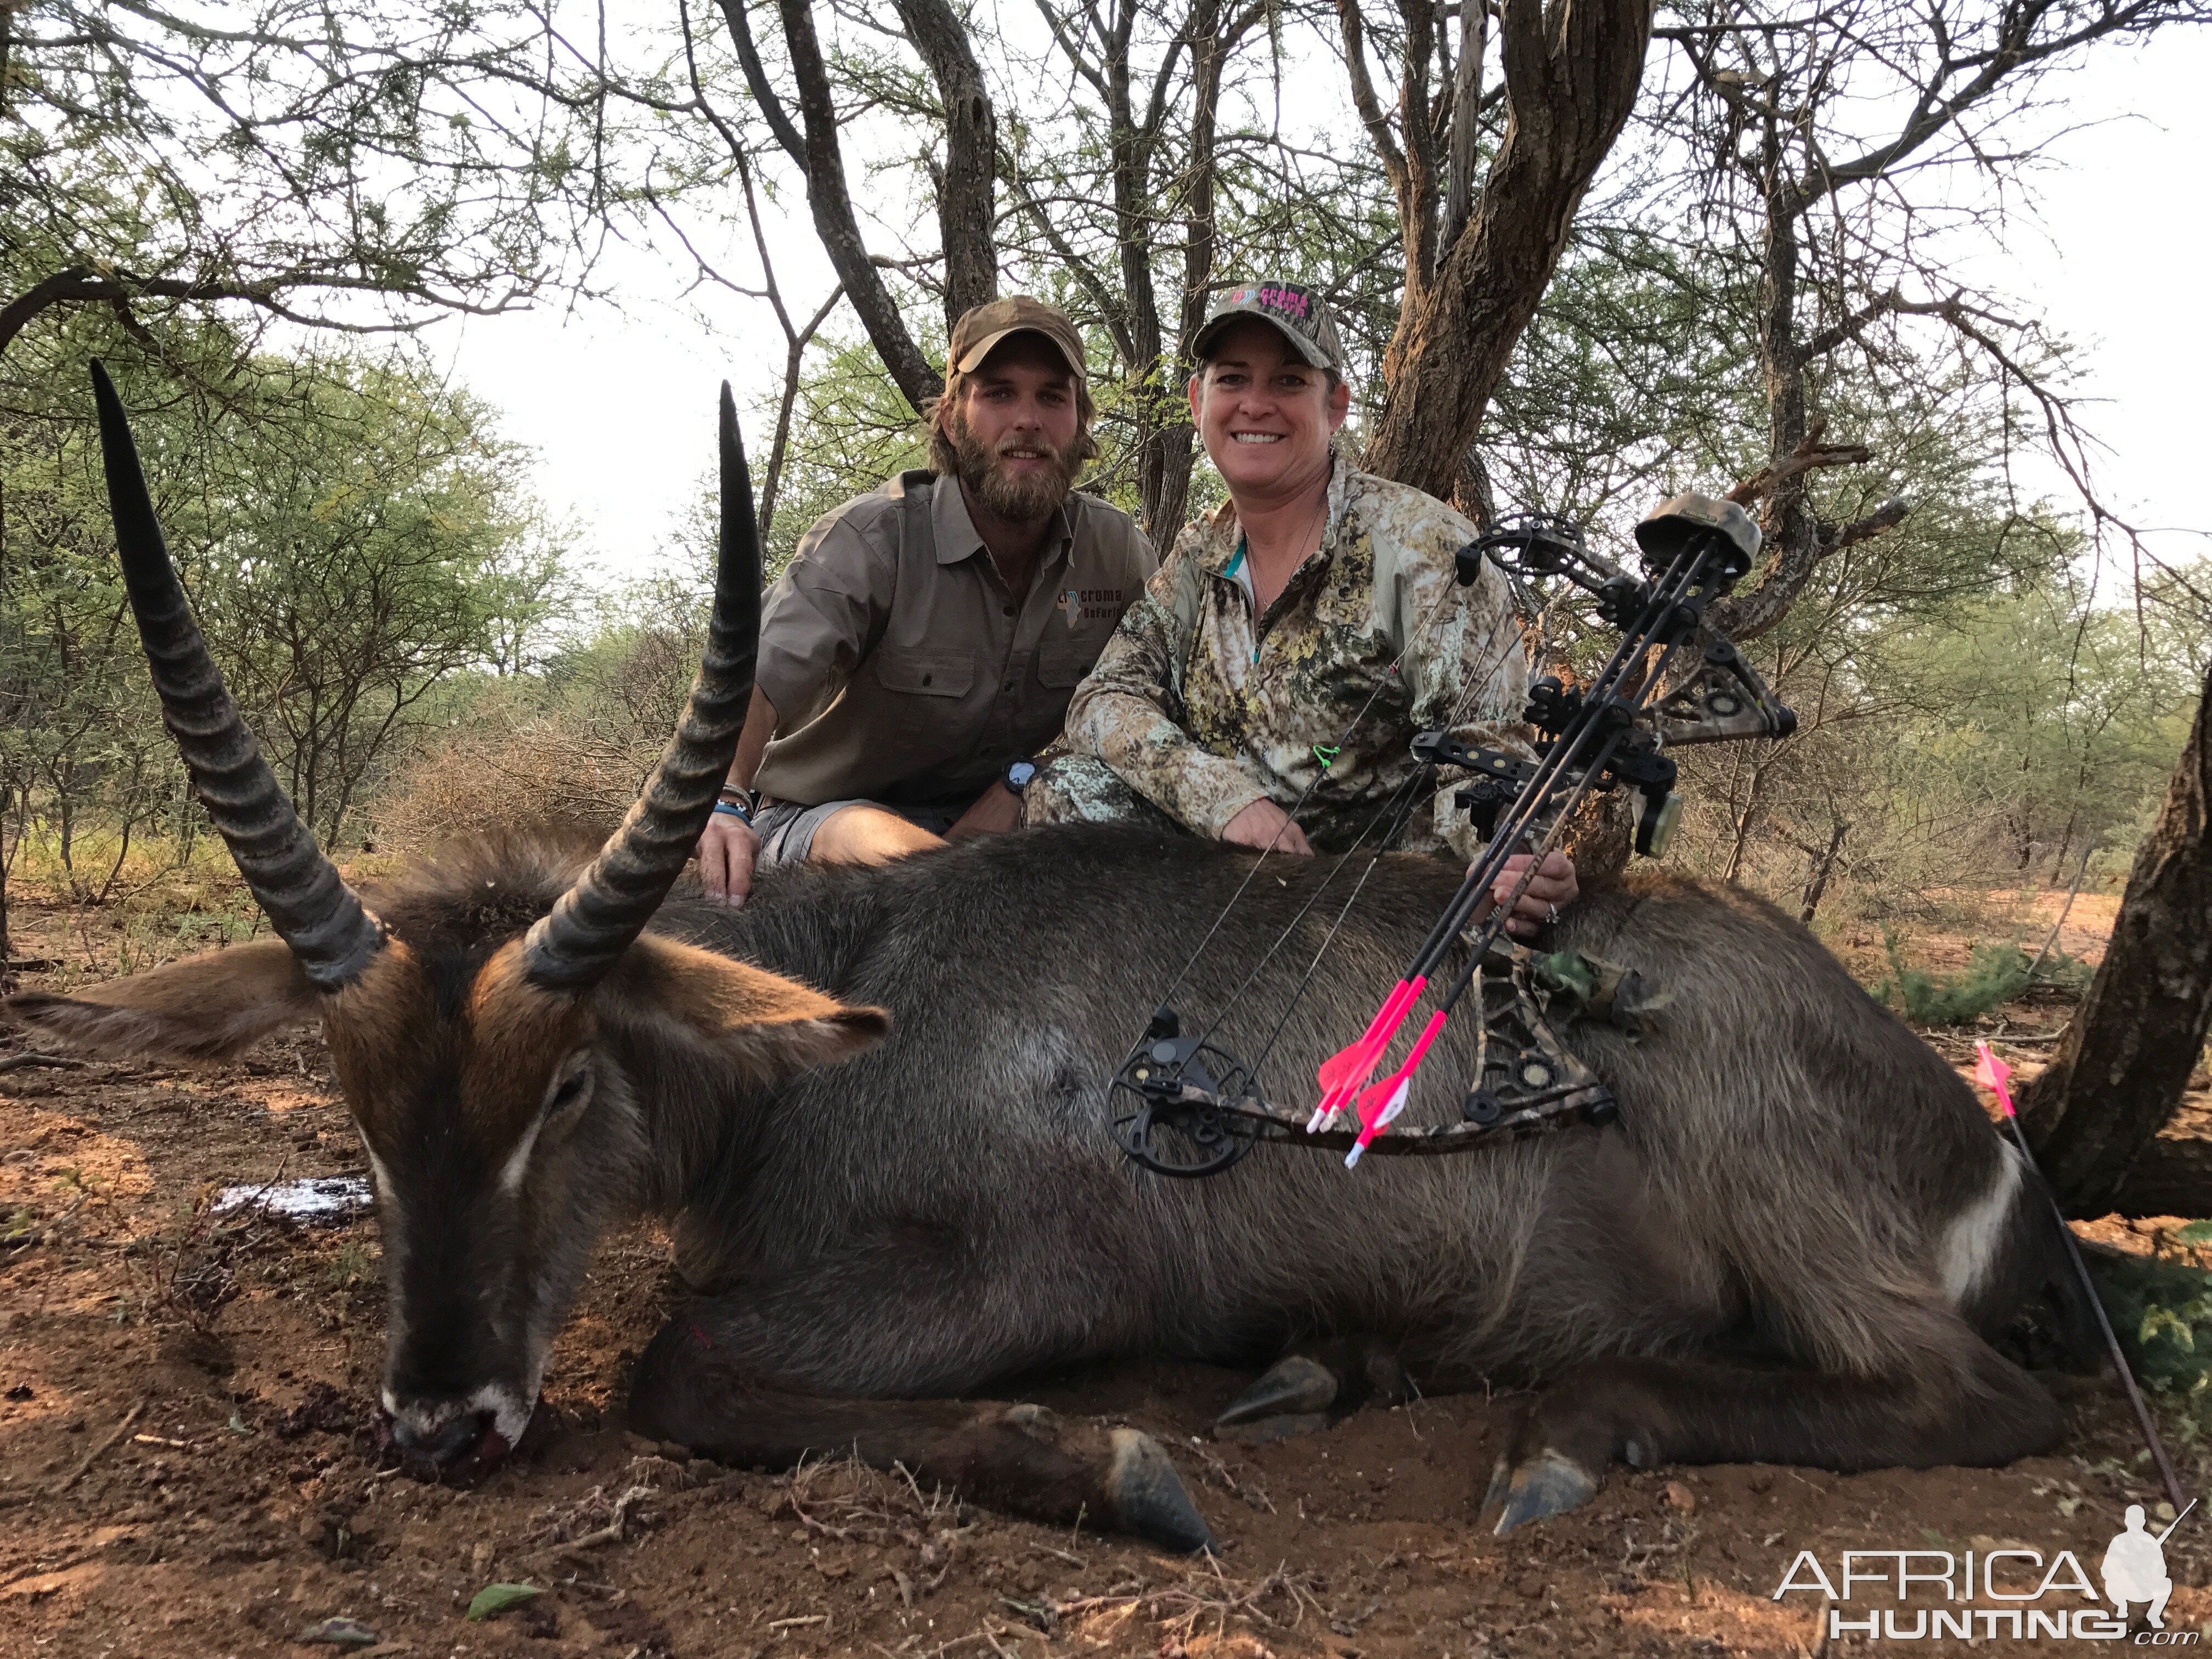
[609,1533]
[59,1062]
[116,1434]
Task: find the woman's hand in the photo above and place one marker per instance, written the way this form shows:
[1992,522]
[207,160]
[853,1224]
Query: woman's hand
[1551,891]
[728,849]
[1264,825]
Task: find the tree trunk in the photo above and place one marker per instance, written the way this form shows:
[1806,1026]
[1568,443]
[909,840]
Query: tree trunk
[1791,537]
[1818,886]
[827,196]
[2172,1176]
[2127,1056]
[7,859]
[1571,75]
[1412,168]
[967,214]
[1466,121]
[1163,474]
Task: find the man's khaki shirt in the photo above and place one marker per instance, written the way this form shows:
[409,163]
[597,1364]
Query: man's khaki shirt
[1203,708]
[901,668]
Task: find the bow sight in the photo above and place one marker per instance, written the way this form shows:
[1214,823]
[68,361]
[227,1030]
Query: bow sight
[1612,731]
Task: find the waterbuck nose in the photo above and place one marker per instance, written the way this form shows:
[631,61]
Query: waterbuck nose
[442,1443]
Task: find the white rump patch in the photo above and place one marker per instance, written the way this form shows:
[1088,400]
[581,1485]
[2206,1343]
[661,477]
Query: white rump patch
[1971,1244]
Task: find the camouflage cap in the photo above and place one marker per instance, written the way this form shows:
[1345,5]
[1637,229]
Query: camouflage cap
[982,327]
[1299,312]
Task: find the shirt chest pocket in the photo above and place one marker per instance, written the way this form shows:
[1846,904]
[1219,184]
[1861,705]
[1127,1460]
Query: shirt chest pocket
[918,690]
[925,673]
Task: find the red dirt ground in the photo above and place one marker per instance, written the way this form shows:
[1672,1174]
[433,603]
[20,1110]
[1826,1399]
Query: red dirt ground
[237,1511]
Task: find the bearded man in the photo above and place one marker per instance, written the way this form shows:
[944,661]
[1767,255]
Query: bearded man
[922,646]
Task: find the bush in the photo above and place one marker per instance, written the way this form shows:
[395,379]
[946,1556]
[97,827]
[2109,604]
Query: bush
[1995,974]
[2161,1308]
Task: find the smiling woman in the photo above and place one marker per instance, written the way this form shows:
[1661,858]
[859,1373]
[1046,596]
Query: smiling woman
[1265,690]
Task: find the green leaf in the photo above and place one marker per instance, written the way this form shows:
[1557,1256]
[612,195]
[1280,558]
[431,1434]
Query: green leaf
[498,1598]
[2197,1232]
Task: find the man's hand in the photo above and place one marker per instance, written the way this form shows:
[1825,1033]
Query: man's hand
[1263,825]
[1550,891]
[728,849]
[993,813]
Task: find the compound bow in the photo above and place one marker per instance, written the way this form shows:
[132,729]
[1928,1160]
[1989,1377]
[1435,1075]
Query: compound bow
[1612,732]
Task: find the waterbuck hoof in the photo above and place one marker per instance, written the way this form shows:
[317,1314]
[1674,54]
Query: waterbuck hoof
[1147,1496]
[1546,1485]
[1292,1387]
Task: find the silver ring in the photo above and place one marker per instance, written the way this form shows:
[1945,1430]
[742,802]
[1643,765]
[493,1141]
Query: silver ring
[1553,914]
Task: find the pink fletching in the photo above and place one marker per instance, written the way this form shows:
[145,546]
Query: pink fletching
[1333,1068]
[1994,1075]
[1343,1073]
[1382,1103]
[1376,1101]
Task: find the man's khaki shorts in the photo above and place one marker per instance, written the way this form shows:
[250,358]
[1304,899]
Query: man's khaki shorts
[787,829]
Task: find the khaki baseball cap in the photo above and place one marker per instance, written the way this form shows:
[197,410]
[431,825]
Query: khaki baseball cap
[1296,311]
[984,326]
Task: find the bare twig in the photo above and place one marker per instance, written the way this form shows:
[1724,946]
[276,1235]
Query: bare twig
[92,1456]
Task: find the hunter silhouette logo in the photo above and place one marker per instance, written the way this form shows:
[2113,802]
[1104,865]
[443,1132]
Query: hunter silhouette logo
[2008,1591]
[2135,1566]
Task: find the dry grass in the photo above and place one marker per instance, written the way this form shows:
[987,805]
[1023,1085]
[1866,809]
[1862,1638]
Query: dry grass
[481,777]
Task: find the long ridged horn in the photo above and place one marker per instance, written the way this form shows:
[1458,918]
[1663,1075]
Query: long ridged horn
[594,922]
[306,901]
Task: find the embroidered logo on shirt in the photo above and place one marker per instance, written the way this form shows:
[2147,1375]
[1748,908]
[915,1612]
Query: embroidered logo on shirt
[1083,604]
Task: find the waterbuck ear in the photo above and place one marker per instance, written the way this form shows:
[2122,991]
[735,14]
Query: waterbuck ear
[205,1007]
[768,1027]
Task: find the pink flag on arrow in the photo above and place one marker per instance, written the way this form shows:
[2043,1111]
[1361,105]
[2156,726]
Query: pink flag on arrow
[1994,1075]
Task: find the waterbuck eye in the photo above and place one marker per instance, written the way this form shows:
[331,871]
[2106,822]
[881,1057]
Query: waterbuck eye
[568,1092]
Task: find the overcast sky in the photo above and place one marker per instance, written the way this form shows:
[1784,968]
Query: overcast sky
[617,401]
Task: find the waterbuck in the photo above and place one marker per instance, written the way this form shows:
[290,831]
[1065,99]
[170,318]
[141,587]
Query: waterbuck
[1791,1246]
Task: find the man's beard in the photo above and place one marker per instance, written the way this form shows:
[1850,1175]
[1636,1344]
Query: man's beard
[1020,498]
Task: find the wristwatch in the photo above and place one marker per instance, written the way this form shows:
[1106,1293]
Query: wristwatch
[1018,775]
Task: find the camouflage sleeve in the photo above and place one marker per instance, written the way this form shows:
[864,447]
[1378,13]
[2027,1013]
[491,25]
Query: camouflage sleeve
[1467,669]
[1128,710]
